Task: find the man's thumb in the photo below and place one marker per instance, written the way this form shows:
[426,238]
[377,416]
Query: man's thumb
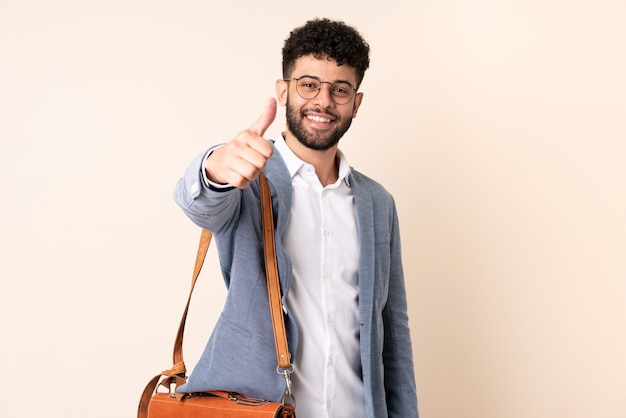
[265,120]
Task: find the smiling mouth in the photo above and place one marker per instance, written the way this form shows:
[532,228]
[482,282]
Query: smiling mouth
[318,119]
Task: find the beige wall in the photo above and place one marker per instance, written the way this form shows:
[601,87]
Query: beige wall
[498,125]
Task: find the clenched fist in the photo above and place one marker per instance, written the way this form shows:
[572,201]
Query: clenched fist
[239,162]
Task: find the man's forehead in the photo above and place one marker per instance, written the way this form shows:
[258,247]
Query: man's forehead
[326,64]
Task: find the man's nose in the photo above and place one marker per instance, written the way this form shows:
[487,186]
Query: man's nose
[325,98]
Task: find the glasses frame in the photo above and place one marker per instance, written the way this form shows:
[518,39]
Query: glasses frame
[330,85]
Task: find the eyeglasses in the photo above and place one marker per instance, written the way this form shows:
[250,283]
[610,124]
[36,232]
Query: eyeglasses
[309,87]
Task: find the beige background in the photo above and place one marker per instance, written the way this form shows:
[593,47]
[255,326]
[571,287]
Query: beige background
[498,125]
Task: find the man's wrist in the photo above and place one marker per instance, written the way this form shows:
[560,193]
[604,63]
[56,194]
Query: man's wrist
[218,187]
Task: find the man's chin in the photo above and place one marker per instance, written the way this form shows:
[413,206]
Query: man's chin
[318,143]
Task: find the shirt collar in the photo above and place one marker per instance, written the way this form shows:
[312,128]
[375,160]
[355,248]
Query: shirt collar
[295,164]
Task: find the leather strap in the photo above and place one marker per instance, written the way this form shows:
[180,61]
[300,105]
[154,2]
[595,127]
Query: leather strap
[273,284]
[177,374]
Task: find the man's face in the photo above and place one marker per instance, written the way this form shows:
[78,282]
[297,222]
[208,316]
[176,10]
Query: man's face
[318,123]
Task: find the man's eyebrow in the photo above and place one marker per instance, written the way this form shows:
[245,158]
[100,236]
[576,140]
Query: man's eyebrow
[311,76]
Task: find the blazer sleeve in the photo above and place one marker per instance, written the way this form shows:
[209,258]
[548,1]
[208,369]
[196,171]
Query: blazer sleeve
[207,207]
[400,388]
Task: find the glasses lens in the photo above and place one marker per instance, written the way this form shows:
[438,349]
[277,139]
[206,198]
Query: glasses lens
[308,87]
[341,92]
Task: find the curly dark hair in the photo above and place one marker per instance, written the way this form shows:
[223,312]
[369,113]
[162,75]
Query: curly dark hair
[327,38]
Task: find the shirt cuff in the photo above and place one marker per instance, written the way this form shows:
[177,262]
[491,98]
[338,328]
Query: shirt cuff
[211,184]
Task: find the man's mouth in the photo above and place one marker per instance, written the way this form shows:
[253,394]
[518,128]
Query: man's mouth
[318,119]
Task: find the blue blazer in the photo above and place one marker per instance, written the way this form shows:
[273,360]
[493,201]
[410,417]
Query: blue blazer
[240,355]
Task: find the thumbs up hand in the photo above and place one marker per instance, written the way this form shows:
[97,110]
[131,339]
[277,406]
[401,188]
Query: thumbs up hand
[239,161]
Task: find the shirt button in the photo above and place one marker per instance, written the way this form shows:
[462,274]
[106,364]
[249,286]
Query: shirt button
[194,188]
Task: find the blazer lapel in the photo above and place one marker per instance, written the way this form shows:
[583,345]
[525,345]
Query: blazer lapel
[367,268]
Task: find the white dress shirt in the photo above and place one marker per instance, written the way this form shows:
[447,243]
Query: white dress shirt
[322,240]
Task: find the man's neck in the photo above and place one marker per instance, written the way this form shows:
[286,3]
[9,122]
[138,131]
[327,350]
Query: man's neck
[324,162]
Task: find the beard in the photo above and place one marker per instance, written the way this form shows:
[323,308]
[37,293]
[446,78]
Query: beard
[316,140]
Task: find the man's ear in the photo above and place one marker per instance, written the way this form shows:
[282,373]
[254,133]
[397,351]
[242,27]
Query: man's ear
[357,103]
[282,90]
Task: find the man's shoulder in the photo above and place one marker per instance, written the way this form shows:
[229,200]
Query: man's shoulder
[361,181]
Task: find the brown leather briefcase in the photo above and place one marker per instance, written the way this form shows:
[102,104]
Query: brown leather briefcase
[216,404]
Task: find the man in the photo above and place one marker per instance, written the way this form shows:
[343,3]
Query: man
[337,243]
